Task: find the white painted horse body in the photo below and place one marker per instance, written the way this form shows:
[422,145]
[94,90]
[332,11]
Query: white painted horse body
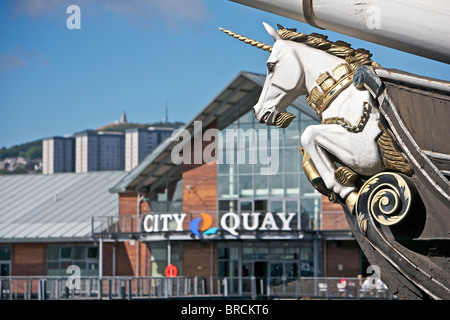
[292,70]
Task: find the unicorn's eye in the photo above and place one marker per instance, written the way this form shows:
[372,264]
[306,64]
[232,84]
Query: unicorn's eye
[271,66]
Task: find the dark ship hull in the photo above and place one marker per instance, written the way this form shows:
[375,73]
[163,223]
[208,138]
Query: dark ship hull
[411,242]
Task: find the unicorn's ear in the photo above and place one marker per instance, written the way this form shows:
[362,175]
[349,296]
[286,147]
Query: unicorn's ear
[272,32]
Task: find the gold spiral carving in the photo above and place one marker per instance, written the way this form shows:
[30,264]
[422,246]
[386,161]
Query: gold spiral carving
[386,197]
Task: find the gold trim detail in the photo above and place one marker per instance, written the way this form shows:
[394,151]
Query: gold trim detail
[307,165]
[347,125]
[320,99]
[362,223]
[334,91]
[284,119]
[341,70]
[338,48]
[351,201]
[325,81]
[314,98]
[345,175]
[392,159]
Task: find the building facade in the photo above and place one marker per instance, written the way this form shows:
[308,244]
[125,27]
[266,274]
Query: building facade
[58,155]
[139,143]
[224,197]
[99,151]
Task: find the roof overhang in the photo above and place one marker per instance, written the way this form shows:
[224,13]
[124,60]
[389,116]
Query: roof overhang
[223,108]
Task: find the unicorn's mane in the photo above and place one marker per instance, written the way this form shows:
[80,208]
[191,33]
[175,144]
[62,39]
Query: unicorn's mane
[339,48]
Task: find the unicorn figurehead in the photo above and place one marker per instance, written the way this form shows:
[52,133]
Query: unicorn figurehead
[310,64]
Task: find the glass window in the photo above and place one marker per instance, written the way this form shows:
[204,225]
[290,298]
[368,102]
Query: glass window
[168,197]
[92,253]
[291,206]
[228,206]
[228,260]
[292,160]
[158,254]
[310,210]
[66,253]
[276,185]
[306,188]
[246,206]
[5,261]
[291,182]
[260,205]
[244,180]
[80,253]
[227,186]
[245,186]
[59,258]
[261,185]
[276,206]
[247,117]
[5,253]
[293,134]
[53,268]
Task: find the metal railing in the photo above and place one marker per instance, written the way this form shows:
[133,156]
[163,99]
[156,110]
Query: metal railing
[60,288]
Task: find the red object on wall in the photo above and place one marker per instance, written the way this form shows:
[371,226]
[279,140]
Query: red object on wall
[171,271]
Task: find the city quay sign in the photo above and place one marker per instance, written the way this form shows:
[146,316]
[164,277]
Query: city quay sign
[230,222]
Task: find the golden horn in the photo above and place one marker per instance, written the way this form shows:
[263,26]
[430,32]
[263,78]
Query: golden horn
[259,45]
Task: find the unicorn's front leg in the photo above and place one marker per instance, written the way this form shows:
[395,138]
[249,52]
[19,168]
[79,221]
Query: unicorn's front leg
[314,139]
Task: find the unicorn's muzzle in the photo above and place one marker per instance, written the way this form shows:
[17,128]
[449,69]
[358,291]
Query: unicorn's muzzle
[275,118]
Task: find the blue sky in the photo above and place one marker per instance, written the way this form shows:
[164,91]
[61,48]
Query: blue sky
[135,56]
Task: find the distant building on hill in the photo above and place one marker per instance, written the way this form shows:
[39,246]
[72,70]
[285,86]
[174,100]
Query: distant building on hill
[58,155]
[139,143]
[100,151]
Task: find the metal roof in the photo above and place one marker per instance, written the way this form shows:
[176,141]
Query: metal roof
[55,207]
[244,87]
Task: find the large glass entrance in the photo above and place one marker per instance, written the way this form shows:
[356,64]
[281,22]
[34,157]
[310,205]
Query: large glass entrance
[270,264]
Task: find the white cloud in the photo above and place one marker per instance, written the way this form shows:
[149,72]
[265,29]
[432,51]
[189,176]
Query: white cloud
[11,61]
[175,12]
[21,58]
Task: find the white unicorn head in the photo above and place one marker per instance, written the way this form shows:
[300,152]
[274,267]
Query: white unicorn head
[280,90]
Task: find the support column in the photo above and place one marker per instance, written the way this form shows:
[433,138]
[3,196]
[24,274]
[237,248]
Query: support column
[100,259]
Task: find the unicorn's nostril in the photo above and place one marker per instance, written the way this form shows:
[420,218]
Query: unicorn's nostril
[264,117]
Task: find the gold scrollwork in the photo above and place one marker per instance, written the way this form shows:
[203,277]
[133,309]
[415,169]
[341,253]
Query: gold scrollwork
[362,223]
[392,159]
[386,197]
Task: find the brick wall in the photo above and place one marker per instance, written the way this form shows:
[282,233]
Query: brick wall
[128,204]
[341,258]
[29,259]
[197,259]
[333,216]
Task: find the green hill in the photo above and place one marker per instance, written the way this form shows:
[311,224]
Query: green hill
[30,150]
